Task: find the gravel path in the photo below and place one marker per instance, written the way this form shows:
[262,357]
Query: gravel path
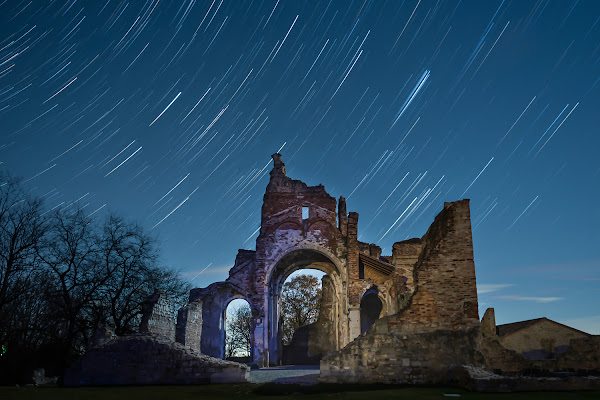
[306,374]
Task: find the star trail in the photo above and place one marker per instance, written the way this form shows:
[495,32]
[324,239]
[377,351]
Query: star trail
[167,113]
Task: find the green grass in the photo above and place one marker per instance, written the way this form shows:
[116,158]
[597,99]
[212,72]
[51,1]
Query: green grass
[271,392]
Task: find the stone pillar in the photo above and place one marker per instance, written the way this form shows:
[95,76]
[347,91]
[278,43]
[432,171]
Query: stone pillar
[157,316]
[353,278]
[353,247]
[374,251]
[488,323]
[189,326]
[260,349]
[354,322]
[342,216]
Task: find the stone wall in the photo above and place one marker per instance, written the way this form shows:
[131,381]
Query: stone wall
[583,354]
[445,293]
[189,326]
[215,299]
[158,317]
[289,241]
[389,357]
[143,359]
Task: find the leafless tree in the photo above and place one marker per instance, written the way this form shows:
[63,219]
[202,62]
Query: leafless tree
[300,304]
[71,255]
[63,273]
[22,226]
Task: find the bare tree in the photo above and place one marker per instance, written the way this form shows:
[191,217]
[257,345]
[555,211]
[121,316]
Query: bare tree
[21,229]
[71,256]
[63,274]
[300,304]
[238,341]
[128,256]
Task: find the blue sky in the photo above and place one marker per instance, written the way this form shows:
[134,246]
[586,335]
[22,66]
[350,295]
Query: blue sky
[167,113]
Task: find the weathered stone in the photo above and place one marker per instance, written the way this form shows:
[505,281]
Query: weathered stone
[157,316]
[143,359]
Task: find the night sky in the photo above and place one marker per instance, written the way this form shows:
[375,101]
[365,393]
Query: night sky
[167,113]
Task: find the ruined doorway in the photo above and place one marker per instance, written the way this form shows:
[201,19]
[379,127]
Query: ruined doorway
[238,331]
[371,307]
[326,334]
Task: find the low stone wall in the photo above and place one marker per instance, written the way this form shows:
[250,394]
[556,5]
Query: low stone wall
[582,354]
[143,359]
[481,380]
[388,357]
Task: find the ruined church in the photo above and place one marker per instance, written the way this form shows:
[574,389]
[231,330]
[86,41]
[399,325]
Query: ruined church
[406,317]
[304,227]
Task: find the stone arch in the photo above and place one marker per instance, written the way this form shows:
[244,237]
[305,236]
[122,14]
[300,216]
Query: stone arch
[284,266]
[289,221]
[225,317]
[215,299]
[323,220]
[372,307]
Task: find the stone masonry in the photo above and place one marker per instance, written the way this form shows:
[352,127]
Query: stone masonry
[144,359]
[424,285]
[408,317]
[157,316]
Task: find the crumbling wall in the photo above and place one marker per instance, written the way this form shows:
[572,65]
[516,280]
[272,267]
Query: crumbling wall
[143,359]
[439,324]
[215,299]
[389,357]
[158,317]
[189,326]
[285,231]
[445,294]
[583,354]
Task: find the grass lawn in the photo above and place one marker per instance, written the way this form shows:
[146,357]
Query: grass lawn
[271,391]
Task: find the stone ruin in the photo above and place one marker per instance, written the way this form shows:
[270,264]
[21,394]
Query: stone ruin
[152,357]
[425,285]
[409,317]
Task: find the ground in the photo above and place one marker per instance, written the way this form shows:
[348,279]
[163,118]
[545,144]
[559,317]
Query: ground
[273,391]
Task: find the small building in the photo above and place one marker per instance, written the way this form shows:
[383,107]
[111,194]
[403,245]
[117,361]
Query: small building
[538,339]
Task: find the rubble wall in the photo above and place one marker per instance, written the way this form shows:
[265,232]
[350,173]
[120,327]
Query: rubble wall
[189,326]
[143,359]
[439,325]
[389,357]
[445,294]
[158,316]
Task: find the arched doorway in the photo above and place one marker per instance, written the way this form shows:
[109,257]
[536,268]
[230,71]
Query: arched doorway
[238,331]
[371,308]
[215,301]
[291,262]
